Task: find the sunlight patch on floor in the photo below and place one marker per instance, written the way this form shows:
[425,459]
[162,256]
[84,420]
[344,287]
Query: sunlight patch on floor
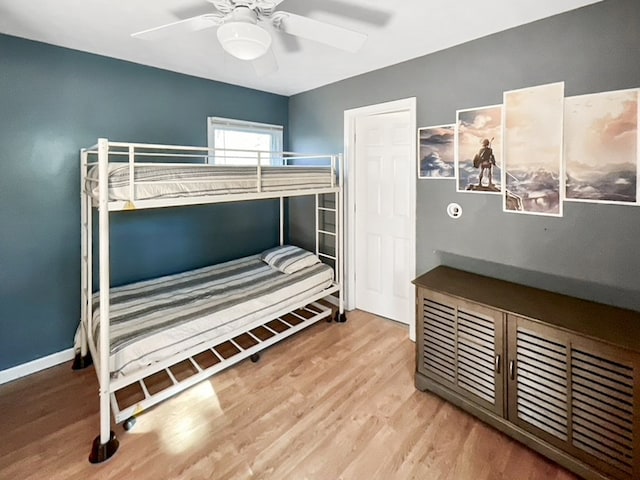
[188,423]
[176,423]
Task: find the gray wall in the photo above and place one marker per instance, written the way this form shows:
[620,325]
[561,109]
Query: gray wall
[53,101]
[593,251]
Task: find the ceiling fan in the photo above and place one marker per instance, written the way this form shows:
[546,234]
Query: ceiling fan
[241,35]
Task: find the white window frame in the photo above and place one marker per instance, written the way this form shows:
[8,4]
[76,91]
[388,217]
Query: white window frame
[218,123]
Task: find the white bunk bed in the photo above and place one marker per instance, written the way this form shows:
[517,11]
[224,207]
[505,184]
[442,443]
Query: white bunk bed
[155,338]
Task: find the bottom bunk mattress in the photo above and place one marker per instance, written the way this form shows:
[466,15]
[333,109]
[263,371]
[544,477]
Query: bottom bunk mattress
[155,319]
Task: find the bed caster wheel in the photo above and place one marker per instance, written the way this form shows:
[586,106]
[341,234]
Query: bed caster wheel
[129,423]
[255,357]
[341,317]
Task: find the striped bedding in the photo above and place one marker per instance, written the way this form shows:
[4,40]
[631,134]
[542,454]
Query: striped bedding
[171,181]
[155,319]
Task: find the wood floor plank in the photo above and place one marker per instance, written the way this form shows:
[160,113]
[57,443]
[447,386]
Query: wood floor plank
[335,401]
[344,427]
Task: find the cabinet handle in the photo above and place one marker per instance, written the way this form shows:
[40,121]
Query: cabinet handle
[498,363]
[512,369]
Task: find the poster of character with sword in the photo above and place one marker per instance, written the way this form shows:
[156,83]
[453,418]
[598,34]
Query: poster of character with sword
[478,149]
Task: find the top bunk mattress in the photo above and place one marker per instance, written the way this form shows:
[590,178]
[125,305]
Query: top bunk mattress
[157,181]
[155,319]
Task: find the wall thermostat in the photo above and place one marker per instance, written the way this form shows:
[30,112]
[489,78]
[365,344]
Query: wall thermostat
[454,210]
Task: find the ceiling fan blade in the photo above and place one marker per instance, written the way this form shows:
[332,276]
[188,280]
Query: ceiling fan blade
[192,24]
[265,65]
[322,32]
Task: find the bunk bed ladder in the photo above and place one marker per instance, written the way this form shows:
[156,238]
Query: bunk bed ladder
[323,228]
[328,234]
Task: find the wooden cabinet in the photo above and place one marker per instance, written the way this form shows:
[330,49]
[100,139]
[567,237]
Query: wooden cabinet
[557,373]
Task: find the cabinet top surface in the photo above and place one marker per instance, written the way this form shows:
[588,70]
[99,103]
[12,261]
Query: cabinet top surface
[614,325]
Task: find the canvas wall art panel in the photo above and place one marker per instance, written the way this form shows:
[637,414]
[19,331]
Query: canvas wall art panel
[478,151]
[533,168]
[601,147]
[435,152]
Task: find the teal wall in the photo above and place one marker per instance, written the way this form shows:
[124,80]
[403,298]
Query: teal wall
[54,101]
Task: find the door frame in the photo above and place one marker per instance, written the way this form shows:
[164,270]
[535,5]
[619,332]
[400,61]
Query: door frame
[350,117]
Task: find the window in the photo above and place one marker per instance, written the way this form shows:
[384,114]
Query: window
[228,134]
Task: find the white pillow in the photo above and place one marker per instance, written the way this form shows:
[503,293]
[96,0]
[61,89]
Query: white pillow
[288,258]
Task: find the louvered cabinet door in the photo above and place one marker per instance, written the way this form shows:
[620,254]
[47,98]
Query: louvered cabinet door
[436,337]
[537,372]
[480,355]
[604,403]
[461,346]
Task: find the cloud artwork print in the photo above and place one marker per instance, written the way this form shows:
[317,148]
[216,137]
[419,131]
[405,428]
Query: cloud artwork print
[435,157]
[533,147]
[479,149]
[601,147]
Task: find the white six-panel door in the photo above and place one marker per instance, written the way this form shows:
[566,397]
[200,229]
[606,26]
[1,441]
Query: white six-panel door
[384,224]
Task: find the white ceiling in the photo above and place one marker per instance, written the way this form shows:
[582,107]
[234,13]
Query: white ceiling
[397,31]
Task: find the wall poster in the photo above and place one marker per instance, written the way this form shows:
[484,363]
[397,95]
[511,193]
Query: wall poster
[478,150]
[533,169]
[435,152]
[601,147]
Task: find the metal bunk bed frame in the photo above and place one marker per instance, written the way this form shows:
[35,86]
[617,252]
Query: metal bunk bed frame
[244,343]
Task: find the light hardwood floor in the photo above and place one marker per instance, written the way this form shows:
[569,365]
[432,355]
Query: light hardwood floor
[336,401]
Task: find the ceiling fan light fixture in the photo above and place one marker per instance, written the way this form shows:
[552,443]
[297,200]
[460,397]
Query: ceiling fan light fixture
[246,41]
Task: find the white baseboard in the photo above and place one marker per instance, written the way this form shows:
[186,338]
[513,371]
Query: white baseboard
[36,365]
